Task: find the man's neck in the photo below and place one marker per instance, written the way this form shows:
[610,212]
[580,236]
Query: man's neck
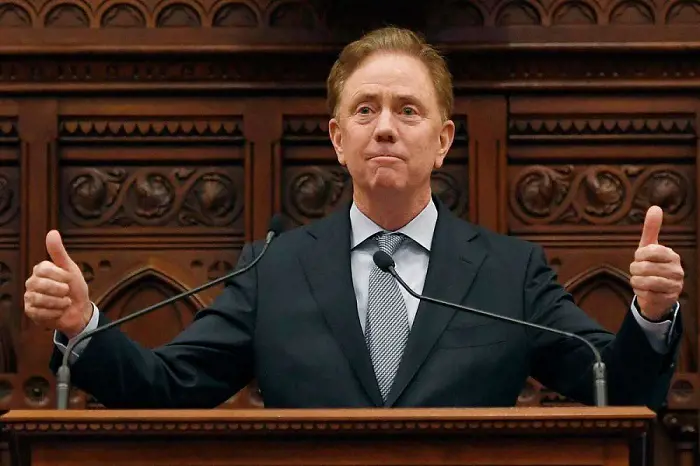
[391,212]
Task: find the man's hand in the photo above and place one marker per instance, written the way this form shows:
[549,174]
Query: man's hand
[56,294]
[657,274]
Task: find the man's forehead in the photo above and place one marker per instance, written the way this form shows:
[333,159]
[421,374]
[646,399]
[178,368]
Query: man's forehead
[402,80]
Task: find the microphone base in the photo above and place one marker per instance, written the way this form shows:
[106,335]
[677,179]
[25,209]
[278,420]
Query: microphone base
[62,387]
[601,386]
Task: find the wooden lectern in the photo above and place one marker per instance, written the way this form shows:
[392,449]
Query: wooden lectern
[503,436]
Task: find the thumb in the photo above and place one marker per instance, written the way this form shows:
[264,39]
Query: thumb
[58,254]
[652,226]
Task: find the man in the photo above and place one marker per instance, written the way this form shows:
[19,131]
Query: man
[318,325]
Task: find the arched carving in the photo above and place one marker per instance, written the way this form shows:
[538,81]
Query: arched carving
[235,14]
[632,12]
[180,14]
[16,14]
[66,14]
[682,12]
[518,13]
[456,14]
[604,293]
[123,13]
[142,288]
[574,12]
[292,14]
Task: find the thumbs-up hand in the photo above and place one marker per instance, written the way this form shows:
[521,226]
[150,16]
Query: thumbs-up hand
[657,274]
[56,294]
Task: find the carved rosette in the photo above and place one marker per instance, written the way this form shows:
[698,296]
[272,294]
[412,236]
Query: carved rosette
[314,191]
[600,194]
[8,130]
[99,197]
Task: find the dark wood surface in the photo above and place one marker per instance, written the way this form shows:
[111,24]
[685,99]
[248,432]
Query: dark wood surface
[160,136]
[499,436]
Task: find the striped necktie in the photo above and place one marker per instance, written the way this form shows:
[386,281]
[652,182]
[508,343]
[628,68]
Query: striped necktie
[387,328]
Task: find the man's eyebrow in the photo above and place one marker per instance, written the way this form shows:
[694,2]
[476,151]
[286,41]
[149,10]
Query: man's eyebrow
[374,96]
[408,98]
[364,96]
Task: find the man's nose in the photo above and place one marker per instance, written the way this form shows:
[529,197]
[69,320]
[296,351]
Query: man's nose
[385,131]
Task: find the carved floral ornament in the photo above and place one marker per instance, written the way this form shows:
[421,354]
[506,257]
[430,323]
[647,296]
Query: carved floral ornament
[599,194]
[152,196]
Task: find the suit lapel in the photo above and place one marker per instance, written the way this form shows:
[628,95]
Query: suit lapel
[326,263]
[454,263]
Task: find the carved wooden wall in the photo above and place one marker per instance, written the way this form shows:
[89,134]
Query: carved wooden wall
[159,136]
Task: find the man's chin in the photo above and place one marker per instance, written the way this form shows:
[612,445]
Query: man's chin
[389,185]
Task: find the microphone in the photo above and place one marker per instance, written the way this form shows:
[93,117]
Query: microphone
[386,264]
[63,373]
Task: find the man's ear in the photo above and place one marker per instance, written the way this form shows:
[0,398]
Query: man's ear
[336,139]
[447,135]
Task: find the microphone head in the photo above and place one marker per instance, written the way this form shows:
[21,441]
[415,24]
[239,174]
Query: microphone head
[276,225]
[383,261]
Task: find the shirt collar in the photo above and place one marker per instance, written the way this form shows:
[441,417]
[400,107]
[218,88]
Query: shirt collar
[420,229]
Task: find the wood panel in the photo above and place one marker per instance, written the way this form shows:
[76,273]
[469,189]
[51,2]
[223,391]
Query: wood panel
[160,136]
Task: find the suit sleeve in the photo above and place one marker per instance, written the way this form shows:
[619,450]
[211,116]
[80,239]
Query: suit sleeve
[207,363]
[636,373]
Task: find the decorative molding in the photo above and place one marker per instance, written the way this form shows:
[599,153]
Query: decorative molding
[601,194]
[303,68]
[157,196]
[102,427]
[249,422]
[305,129]
[662,127]
[150,129]
[288,14]
[306,15]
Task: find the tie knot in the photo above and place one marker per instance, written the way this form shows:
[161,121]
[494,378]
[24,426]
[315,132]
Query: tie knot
[389,242]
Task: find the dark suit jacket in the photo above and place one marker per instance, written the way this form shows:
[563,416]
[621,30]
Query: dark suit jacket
[292,324]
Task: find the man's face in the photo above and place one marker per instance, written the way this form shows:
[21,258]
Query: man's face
[389,131]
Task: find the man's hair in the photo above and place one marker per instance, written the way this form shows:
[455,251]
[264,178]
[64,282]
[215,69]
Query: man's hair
[396,40]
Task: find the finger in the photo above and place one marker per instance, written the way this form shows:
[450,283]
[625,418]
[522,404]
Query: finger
[656,253]
[655,284]
[57,252]
[652,226]
[39,300]
[654,298]
[669,270]
[47,286]
[43,316]
[46,269]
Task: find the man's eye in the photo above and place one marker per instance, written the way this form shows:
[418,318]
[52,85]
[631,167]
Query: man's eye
[408,111]
[363,110]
